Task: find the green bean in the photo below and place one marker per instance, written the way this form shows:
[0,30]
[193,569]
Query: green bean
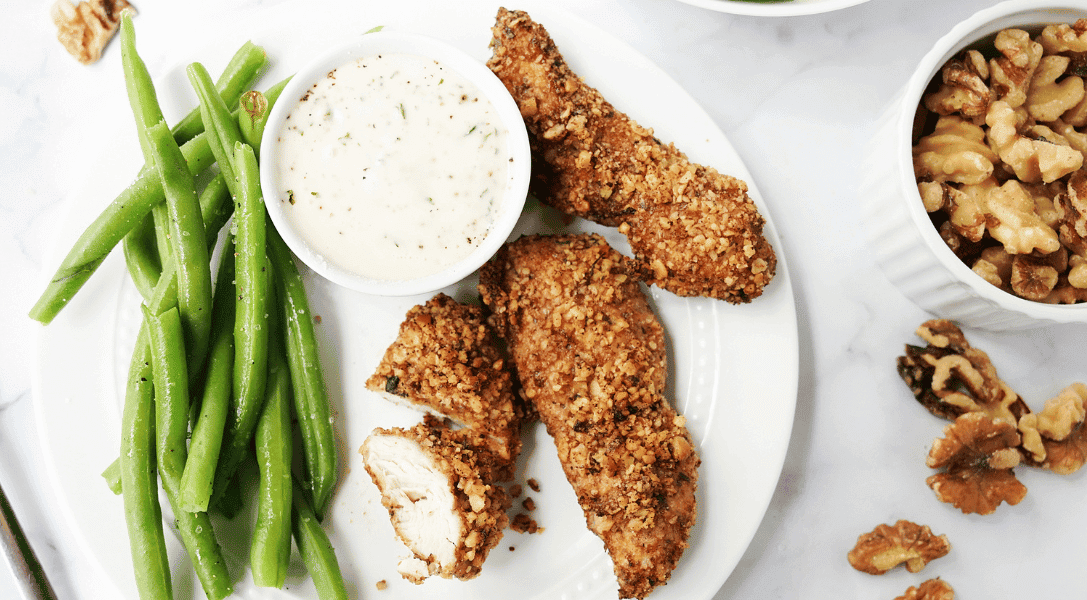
[251,316]
[236,78]
[270,548]
[220,125]
[142,256]
[187,241]
[141,90]
[171,389]
[255,108]
[143,515]
[317,552]
[310,397]
[112,224]
[171,428]
[206,441]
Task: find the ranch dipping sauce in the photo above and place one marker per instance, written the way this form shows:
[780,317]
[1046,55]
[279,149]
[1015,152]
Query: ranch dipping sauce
[393,166]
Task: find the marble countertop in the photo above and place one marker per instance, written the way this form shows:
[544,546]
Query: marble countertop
[798,97]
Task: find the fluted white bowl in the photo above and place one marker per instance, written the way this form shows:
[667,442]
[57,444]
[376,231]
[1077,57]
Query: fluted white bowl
[906,244]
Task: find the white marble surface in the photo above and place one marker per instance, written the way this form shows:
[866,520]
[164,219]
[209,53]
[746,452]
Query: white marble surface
[798,98]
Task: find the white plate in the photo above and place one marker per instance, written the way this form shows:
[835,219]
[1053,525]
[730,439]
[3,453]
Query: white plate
[774,9]
[733,368]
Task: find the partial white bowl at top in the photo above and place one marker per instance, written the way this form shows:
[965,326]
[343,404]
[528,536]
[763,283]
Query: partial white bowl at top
[780,8]
[906,244]
[397,275]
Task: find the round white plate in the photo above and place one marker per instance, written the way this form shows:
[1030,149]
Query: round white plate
[734,369]
[788,8]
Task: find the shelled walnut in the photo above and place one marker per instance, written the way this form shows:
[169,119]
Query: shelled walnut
[999,153]
[888,546]
[976,457]
[950,378]
[994,429]
[932,589]
[85,28]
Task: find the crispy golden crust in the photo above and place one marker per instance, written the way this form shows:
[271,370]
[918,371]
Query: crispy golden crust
[591,358]
[694,231]
[447,360]
[481,504]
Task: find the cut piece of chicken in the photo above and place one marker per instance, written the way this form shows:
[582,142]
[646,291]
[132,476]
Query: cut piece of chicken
[694,231]
[442,498]
[590,354]
[446,361]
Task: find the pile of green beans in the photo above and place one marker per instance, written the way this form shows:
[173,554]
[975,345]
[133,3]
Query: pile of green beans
[219,374]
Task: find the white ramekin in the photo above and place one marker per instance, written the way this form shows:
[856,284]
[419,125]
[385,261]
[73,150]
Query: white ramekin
[906,244]
[513,198]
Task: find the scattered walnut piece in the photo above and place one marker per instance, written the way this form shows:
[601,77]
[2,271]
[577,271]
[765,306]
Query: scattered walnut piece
[382,585]
[84,29]
[976,455]
[532,483]
[932,589]
[888,546]
[950,378]
[1056,438]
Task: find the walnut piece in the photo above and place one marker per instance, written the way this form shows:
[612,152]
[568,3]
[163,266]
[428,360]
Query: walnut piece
[1032,160]
[1061,37]
[1056,439]
[965,88]
[888,546]
[1011,73]
[950,378]
[976,455]
[1048,99]
[84,29]
[1014,222]
[1034,277]
[955,151]
[932,589]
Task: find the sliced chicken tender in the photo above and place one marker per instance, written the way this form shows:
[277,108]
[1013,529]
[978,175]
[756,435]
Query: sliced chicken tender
[694,231]
[441,496]
[446,361]
[591,358]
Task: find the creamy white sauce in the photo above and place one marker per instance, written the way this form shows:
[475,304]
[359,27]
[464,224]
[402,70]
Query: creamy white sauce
[394,166]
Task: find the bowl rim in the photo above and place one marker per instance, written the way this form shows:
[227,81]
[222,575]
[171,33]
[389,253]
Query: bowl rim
[392,41]
[980,24]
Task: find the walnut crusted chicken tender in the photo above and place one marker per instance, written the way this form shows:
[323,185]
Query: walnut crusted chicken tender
[693,231]
[440,489]
[446,360]
[590,355]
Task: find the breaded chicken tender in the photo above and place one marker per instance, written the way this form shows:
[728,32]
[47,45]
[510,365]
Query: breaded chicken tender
[590,355]
[440,490]
[694,231]
[446,361]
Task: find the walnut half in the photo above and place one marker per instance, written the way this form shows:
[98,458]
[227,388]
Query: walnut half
[888,546]
[85,28]
[932,589]
[976,455]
